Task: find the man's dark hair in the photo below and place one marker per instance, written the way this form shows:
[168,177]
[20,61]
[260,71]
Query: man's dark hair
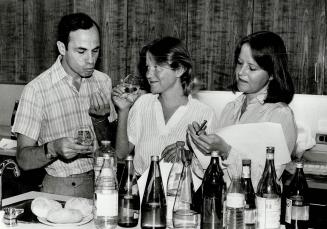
[73,22]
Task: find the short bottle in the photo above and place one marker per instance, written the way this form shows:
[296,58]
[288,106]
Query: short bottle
[129,197]
[184,211]
[154,208]
[213,194]
[268,197]
[297,206]
[235,200]
[173,181]
[250,211]
[13,115]
[106,197]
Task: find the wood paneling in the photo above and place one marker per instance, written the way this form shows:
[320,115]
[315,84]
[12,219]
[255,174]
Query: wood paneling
[214,28]
[210,28]
[302,26]
[11,34]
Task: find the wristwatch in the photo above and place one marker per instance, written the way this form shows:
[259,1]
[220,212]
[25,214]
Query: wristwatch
[48,155]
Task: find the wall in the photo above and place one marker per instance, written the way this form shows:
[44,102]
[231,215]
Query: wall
[210,28]
[8,94]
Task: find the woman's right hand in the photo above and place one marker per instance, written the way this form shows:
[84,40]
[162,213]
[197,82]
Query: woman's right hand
[124,100]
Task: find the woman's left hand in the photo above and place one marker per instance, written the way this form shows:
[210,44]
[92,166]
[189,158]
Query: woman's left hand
[169,153]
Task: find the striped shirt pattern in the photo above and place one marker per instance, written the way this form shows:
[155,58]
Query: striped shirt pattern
[147,130]
[51,108]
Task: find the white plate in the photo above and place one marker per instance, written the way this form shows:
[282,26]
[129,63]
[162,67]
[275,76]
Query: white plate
[85,220]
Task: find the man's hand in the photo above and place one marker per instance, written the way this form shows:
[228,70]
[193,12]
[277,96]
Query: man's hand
[67,148]
[100,104]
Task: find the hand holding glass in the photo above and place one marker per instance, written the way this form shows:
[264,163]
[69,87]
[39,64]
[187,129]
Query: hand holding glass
[84,136]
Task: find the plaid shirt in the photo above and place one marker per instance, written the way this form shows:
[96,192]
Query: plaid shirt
[51,108]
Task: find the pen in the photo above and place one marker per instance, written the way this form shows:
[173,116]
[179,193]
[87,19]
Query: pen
[202,126]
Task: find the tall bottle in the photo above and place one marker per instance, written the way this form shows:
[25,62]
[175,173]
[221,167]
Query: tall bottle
[98,158]
[13,115]
[106,197]
[213,191]
[153,208]
[172,182]
[129,197]
[297,206]
[184,213]
[235,201]
[250,211]
[268,197]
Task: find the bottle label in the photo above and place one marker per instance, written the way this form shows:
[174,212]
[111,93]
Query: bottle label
[246,172]
[106,204]
[294,212]
[268,212]
[235,200]
[250,216]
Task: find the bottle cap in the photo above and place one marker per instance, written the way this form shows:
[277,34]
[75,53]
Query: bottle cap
[154,158]
[106,156]
[214,154]
[270,149]
[105,142]
[299,164]
[246,162]
[129,158]
[180,143]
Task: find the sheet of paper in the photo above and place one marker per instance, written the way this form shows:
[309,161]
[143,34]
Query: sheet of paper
[164,169]
[6,143]
[253,139]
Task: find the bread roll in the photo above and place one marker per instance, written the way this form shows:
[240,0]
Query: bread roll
[82,204]
[41,206]
[64,215]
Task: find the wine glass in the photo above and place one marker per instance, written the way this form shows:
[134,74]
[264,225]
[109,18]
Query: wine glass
[131,84]
[84,136]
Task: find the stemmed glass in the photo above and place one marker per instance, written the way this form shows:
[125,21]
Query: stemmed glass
[131,84]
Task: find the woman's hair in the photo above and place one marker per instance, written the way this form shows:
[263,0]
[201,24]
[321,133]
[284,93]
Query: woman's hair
[170,51]
[269,51]
[73,22]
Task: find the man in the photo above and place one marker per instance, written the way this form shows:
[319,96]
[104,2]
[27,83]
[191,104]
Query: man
[57,102]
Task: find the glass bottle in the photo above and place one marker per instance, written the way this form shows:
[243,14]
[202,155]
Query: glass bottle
[213,192]
[297,206]
[98,158]
[268,197]
[184,213]
[173,180]
[235,201]
[153,208]
[106,197]
[13,115]
[129,197]
[250,211]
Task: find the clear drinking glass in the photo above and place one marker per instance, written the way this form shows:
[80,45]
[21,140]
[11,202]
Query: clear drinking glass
[131,84]
[84,135]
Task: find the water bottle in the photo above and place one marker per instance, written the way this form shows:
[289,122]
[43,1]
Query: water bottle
[235,201]
[172,182]
[154,208]
[129,197]
[106,197]
[268,197]
[184,212]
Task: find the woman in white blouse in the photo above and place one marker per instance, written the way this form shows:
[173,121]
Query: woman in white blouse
[157,120]
[261,74]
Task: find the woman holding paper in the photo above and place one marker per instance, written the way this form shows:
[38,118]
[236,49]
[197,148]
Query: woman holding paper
[261,74]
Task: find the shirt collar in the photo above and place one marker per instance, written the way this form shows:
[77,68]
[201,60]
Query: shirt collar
[58,71]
